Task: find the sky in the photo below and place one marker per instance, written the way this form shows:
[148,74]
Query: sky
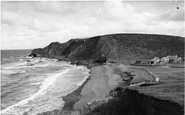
[29,25]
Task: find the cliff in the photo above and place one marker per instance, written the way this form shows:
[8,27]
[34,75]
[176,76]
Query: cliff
[122,47]
[131,102]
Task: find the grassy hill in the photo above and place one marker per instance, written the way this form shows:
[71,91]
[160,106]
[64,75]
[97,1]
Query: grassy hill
[122,47]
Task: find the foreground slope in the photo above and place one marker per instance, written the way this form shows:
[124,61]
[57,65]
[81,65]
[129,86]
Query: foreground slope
[122,47]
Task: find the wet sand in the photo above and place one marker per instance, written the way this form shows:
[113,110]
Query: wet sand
[73,97]
[97,87]
[103,79]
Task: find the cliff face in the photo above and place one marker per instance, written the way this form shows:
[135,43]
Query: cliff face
[121,47]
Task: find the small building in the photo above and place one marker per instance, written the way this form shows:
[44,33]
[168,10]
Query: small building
[112,61]
[155,60]
[169,59]
[178,59]
[164,60]
[172,58]
[138,62]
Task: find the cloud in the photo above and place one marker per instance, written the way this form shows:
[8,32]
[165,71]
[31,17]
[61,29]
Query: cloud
[9,17]
[121,17]
[125,18]
[173,15]
[118,9]
[50,7]
[35,22]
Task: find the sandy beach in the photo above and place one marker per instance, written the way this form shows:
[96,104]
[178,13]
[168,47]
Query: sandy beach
[97,87]
[103,82]
[103,79]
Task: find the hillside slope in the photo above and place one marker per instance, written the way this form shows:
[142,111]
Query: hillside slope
[122,47]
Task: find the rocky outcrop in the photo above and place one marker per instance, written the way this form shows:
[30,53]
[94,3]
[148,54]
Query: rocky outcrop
[122,47]
[131,102]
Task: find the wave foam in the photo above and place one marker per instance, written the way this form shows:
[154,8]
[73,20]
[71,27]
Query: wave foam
[47,82]
[48,97]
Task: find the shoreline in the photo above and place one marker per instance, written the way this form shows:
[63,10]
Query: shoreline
[100,83]
[71,98]
[44,84]
[98,79]
[75,96]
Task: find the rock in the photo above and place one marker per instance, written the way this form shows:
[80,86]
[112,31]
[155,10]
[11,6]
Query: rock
[132,102]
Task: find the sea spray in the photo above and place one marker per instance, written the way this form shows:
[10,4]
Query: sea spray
[52,99]
[54,87]
[48,81]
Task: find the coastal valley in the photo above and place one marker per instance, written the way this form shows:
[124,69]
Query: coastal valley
[116,86]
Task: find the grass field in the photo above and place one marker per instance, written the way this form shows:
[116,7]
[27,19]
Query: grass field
[173,84]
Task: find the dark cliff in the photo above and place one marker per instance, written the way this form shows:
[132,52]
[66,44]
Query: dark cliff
[131,102]
[121,47]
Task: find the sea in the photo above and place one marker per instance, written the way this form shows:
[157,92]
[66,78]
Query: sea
[35,85]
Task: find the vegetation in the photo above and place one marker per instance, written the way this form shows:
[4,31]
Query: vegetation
[122,47]
[131,102]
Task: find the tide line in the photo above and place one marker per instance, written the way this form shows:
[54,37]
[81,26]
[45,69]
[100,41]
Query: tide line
[47,82]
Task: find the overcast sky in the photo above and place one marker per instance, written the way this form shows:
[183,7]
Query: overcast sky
[28,25]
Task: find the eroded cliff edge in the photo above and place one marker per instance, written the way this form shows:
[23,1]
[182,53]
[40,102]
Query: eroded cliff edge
[131,102]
